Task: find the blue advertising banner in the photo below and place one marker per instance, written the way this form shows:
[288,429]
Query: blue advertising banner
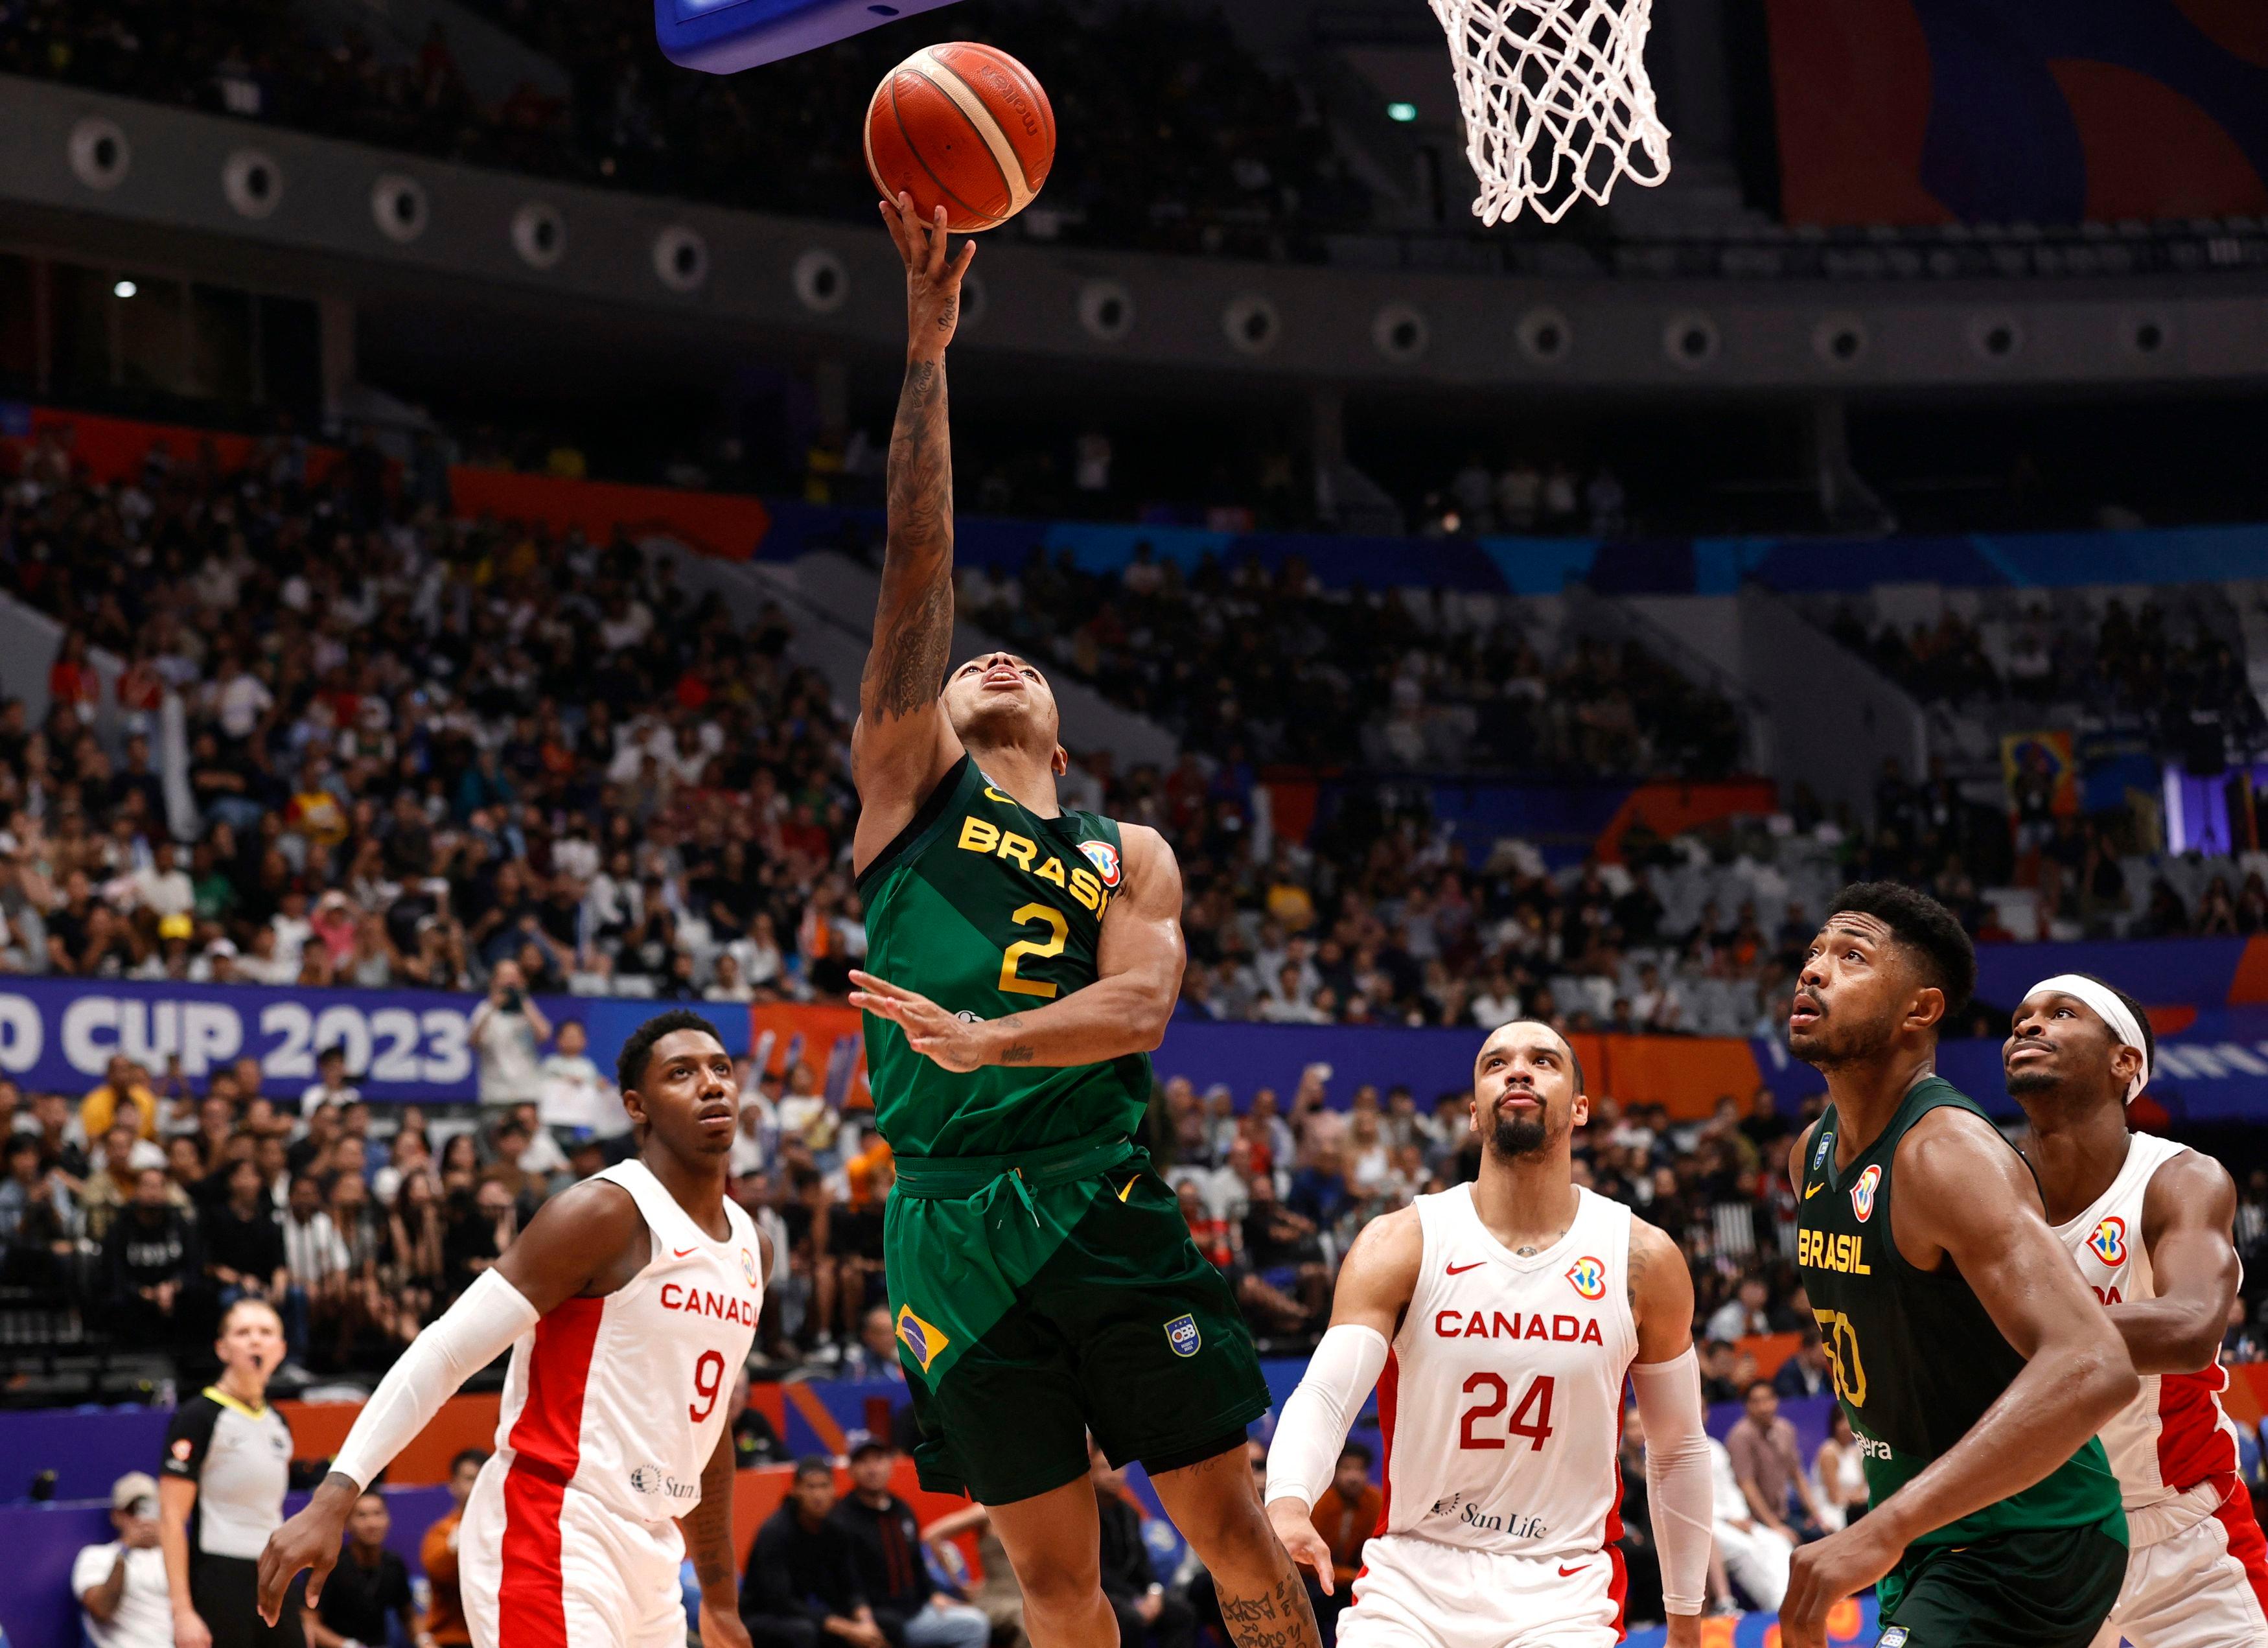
[58,1034]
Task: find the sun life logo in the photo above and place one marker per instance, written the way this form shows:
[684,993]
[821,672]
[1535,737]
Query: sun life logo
[1588,1276]
[2109,1241]
[1862,1193]
[1104,857]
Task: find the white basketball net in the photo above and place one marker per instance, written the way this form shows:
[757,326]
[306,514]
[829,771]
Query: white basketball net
[1555,101]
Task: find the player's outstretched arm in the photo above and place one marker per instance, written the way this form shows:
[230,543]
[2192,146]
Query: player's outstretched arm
[1376,1286]
[1666,1379]
[1138,965]
[903,744]
[578,1237]
[2189,1223]
[1963,1193]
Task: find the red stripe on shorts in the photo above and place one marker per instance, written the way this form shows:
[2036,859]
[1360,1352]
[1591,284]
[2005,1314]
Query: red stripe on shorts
[2245,1542]
[546,1445]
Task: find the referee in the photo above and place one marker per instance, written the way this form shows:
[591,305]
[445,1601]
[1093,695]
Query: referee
[228,1460]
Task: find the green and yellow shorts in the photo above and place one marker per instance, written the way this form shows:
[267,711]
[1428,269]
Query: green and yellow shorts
[1042,1297]
[2030,1588]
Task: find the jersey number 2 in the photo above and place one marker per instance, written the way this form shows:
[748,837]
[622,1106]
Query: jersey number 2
[1058,930]
[708,1380]
[1531,1420]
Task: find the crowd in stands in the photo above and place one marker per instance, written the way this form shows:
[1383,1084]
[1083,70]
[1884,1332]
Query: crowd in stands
[1170,134]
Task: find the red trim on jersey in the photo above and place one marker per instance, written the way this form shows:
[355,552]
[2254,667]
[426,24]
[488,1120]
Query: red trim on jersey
[2193,1443]
[2245,1542]
[1618,1586]
[546,1445]
[1389,1386]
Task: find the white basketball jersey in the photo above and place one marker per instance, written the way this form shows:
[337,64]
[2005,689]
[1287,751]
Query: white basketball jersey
[624,1396]
[1501,1403]
[2174,1434]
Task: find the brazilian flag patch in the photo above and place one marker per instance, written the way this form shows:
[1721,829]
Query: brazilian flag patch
[923,1340]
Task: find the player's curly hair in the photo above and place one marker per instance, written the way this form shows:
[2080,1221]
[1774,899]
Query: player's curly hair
[1928,930]
[629,1069]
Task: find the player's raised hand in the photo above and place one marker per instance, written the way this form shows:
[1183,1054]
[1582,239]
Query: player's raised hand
[1295,1526]
[944,1039]
[933,281]
[1822,1574]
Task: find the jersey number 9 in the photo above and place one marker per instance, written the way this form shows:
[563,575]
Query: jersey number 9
[708,1380]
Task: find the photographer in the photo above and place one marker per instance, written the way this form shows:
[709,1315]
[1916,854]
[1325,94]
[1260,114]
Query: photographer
[507,1029]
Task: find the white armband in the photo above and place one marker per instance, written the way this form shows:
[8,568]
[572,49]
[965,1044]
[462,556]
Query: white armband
[1678,1495]
[1313,1428]
[479,1327]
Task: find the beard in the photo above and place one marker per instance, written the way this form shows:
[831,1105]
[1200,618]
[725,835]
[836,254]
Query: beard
[1826,1045]
[1518,1136]
[2033,1080]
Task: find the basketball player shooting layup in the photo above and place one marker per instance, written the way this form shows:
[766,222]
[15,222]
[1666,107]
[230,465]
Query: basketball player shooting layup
[2150,1222]
[1043,1279]
[628,1304]
[1505,1314]
[1975,1365]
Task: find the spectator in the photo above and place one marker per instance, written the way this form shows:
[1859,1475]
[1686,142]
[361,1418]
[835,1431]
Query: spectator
[330,1086]
[996,1591]
[121,1584]
[506,1028]
[436,1554]
[1147,1613]
[1346,1515]
[754,1442]
[1838,1475]
[1805,1374]
[150,1265]
[1755,1556]
[243,1244]
[126,1082]
[578,1101]
[367,1586]
[875,1354]
[37,1217]
[1744,1314]
[802,1587]
[885,1540]
[1768,1466]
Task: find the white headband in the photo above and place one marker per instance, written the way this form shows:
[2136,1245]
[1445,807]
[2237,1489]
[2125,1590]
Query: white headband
[2111,1011]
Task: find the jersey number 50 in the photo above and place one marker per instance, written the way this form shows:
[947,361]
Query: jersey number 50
[1839,1336]
[1531,1420]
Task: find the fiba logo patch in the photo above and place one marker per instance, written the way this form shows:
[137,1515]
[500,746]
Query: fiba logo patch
[1588,1276]
[748,1266]
[1862,1193]
[1182,1334]
[2109,1241]
[1826,1143]
[923,1340]
[1104,857]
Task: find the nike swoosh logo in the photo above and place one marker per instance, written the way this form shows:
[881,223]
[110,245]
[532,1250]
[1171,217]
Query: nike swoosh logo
[679,1252]
[1127,1189]
[1812,1190]
[1458,1269]
[1566,1574]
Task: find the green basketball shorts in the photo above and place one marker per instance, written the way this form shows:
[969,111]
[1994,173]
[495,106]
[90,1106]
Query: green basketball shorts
[2035,1588]
[1043,1297]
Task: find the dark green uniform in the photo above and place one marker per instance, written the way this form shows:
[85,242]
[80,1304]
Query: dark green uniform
[1042,1278]
[1917,1360]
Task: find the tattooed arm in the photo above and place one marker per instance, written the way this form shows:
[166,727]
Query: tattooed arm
[708,1529]
[903,744]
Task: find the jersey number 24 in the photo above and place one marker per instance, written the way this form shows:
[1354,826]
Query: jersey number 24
[1531,1420]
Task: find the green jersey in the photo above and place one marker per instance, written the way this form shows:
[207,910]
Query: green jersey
[989,909]
[1915,1356]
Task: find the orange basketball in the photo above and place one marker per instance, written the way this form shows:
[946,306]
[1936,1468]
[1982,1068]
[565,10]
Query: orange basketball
[964,127]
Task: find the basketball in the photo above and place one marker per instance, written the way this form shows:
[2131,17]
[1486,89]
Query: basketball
[962,125]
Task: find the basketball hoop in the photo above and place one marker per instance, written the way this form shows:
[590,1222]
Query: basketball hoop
[1555,101]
